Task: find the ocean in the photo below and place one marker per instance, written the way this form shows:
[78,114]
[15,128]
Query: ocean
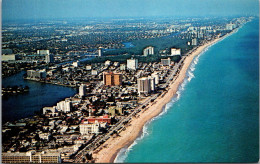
[215,115]
[25,105]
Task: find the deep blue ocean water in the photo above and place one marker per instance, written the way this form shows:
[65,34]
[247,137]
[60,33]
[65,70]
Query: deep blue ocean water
[40,95]
[215,116]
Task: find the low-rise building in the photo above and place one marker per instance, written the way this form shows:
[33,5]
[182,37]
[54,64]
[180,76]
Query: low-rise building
[101,119]
[49,109]
[175,51]
[36,74]
[122,67]
[107,63]
[43,52]
[9,57]
[89,128]
[166,62]
[94,72]
[76,63]
[31,157]
[88,67]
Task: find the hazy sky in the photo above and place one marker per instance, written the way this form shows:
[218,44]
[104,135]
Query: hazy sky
[36,9]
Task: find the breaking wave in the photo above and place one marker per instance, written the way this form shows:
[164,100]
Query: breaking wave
[123,153]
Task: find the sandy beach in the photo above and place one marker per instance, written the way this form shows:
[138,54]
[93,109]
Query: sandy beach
[112,146]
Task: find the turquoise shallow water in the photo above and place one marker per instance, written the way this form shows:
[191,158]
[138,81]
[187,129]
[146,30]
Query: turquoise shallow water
[216,115]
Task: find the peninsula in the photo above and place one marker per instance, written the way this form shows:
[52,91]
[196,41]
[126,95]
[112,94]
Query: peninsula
[117,94]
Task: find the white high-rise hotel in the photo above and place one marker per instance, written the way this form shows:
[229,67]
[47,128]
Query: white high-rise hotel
[100,51]
[64,106]
[132,64]
[82,90]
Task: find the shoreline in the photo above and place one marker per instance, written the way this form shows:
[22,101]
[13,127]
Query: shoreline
[112,147]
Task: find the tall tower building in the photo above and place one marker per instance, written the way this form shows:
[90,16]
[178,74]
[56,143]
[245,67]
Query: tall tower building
[64,106]
[112,79]
[132,64]
[156,77]
[146,85]
[82,90]
[49,58]
[100,51]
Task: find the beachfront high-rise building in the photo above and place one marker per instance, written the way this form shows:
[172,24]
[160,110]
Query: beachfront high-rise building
[146,85]
[155,75]
[148,51]
[112,79]
[82,90]
[132,64]
[175,51]
[230,26]
[49,58]
[166,62]
[194,42]
[152,83]
[43,52]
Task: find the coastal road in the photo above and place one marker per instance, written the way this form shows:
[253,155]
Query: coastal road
[102,138]
[119,125]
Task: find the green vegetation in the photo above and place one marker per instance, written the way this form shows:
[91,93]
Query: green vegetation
[161,43]
[123,58]
[122,54]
